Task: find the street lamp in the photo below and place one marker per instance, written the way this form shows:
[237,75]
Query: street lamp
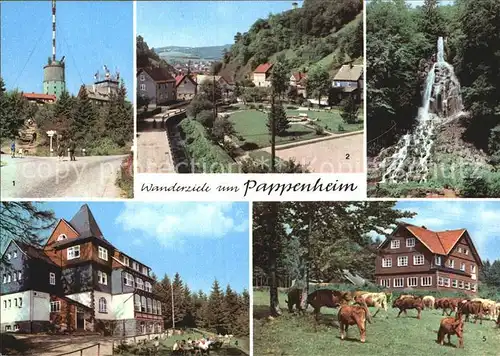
[51,134]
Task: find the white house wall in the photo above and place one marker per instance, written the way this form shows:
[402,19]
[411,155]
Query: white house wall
[35,306]
[123,306]
[109,306]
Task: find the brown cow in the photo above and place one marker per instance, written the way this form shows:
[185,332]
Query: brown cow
[451,326]
[409,303]
[448,303]
[327,298]
[354,314]
[294,298]
[474,308]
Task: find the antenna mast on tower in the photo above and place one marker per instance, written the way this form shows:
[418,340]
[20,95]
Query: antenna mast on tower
[53,30]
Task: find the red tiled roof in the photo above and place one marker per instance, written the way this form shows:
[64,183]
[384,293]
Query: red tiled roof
[263,68]
[180,78]
[299,76]
[39,96]
[440,242]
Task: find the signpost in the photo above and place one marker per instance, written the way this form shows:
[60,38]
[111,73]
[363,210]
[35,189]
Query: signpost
[51,134]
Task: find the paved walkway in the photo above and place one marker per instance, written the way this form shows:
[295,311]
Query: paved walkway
[339,155]
[47,177]
[153,153]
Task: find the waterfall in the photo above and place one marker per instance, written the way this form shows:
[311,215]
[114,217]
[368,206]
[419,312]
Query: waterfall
[441,102]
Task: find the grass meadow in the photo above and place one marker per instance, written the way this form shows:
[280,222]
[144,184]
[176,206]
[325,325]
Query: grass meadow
[295,335]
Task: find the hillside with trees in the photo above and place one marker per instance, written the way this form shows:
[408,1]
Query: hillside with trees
[401,40]
[223,311]
[322,32]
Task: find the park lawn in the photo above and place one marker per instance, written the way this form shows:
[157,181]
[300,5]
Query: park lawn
[263,157]
[295,335]
[251,125]
[330,121]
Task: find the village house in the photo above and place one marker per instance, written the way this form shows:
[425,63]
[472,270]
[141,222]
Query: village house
[40,99]
[78,281]
[157,85]
[414,257]
[349,82]
[101,92]
[224,85]
[262,75]
[186,86]
[298,80]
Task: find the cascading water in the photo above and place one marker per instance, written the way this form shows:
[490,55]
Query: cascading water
[441,103]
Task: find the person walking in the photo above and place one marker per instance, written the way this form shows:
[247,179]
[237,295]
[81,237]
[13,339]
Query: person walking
[72,148]
[13,149]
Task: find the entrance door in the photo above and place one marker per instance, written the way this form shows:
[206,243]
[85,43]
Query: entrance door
[80,319]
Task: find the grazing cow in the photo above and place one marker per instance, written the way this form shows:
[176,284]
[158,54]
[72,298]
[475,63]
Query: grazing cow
[498,320]
[327,298]
[377,300]
[489,307]
[429,301]
[354,314]
[474,308]
[451,326]
[404,304]
[447,303]
[294,298]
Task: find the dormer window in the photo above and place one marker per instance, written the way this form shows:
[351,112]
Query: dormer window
[125,261]
[61,237]
[103,253]
[437,260]
[395,244]
[15,254]
[410,242]
[73,252]
[9,256]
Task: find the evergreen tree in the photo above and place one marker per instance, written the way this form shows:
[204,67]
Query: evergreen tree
[278,115]
[231,311]
[83,126]
[119,121]
[280,77]
[318,82]
[179,302]
[350,109]
[215,308]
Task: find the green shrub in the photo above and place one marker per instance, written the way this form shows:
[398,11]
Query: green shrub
[104,147]
[340,128]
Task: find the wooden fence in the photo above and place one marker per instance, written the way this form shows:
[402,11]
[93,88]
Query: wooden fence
[98,345]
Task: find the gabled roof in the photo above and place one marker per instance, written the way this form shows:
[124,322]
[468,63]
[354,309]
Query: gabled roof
[349,72]
[33,252]
[37,96]
[180,78]
[84,223]
[158,74]
[263,68]
[298,76]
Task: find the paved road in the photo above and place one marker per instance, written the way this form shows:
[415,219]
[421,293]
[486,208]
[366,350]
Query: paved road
[46,177]
[340,155]
[153,153]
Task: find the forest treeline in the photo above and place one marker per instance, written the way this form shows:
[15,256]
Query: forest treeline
[100,130]
[399,37]
[221,312]
[307,34]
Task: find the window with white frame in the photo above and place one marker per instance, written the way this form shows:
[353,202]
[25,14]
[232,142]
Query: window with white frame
[148,287]
[418,260]
[73,252]
[440,281]
[412,281]
[154,306]
[410,242]
[14,276]
[466,251]
[387,262]
[135,266]
[143,86]
[103,253]
[462,266]
[125,260]
[103,308]
[142,77]
[437,260]
[137,302]
[398,282]
[139,283]
[128,279]
[446,282]
[150,307]
[55,306]
[426,281]
[402,261]
[395,244]
[143,304]
[467,285]
[454,283]
[15,254]
[20,302]
[461,284]
[385,283]
[61,237]
[8,278]
[9,256]
[145,270]
[19,275]
[8,328]
[472,268]
[459,250]
[5,278]
[451,263]
[474,287]
[52,278]
[102,277]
